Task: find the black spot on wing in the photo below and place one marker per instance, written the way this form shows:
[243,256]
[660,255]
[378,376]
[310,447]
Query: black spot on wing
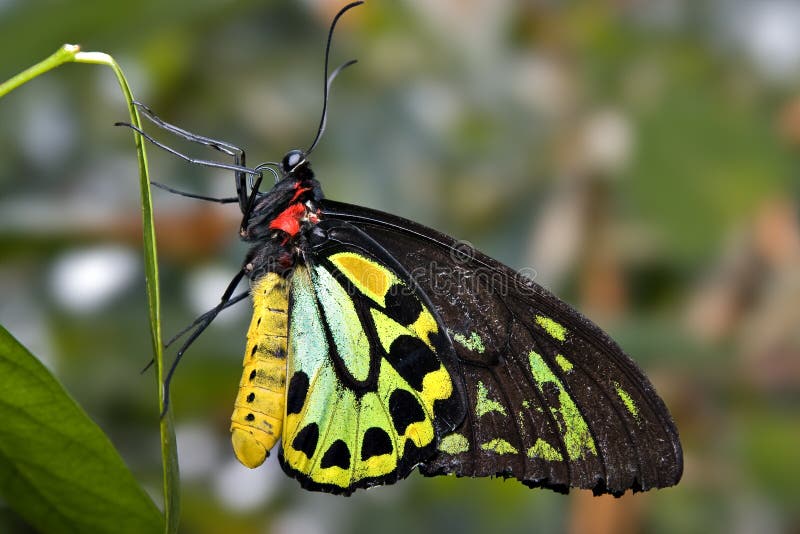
[376,442]
[338,455]
[402,305]
[404,409]
[296,396]
[306,440]
[412,359]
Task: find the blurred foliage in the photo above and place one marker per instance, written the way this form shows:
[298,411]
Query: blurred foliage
[641,156]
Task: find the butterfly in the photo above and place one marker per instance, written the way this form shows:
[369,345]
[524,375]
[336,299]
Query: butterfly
[378,346]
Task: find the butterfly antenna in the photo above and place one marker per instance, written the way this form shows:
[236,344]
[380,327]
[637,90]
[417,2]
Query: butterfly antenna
[328,80]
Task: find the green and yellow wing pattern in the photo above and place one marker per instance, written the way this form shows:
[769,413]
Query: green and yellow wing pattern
[369,393]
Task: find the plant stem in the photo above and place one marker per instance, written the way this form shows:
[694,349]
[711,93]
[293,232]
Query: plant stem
[65,54]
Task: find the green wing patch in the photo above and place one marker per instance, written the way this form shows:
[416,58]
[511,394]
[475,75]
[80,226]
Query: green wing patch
[364,376]
[575,432]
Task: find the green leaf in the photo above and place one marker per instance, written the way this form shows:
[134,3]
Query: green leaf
[58,470]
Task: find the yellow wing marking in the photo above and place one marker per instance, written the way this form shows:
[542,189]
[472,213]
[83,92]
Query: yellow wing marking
[424,326]
[369,277]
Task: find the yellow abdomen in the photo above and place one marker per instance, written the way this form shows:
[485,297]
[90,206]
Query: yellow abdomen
[257,418]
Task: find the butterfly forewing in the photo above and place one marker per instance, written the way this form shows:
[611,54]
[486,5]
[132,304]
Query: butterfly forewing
[551,399]
[370,385]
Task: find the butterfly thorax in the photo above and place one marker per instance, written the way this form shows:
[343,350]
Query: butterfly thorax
[279,222]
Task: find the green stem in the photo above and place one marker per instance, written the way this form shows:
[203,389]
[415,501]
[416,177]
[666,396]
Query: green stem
[99,58]
[65,54]
[168,445]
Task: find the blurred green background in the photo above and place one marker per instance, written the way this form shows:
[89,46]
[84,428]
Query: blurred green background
[640,156]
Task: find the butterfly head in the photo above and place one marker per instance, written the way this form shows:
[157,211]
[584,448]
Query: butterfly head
[294,163]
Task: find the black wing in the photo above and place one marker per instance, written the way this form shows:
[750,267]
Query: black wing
[552,400]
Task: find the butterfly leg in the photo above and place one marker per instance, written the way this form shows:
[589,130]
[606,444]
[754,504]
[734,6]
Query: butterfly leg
[199,325]
[249,205]
[196,161]
[222,146]
[239,167]
[225,200]
[233,300]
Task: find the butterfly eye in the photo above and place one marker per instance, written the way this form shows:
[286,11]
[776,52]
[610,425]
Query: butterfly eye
[292,159]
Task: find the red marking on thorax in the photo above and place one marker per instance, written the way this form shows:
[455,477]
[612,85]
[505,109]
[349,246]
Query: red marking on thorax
[289,219]
[299,191]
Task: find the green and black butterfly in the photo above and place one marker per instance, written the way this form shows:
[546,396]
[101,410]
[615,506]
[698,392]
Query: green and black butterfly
[378,346]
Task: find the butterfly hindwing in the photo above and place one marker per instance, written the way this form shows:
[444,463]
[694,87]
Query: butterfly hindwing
[369,385]
[551,399]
